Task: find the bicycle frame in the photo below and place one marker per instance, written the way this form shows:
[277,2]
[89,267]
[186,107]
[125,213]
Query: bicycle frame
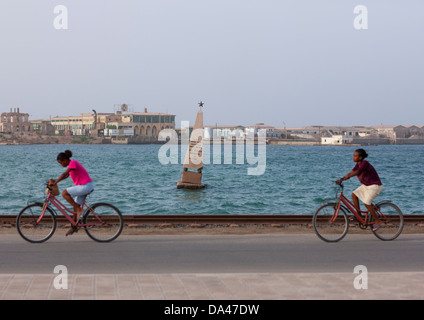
[66,212]
[352,209]
[38,221]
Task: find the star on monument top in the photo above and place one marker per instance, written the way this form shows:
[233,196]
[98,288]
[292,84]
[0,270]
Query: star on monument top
[201,104]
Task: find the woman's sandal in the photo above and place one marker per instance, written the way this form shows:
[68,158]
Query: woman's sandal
[71,231]
[376,227]
[75,229]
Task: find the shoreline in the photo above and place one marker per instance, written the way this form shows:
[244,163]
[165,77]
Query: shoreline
[10,140]
[309,144]
[217,229]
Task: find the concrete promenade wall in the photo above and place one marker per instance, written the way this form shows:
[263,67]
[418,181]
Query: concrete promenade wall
[409,141]
[293,143]
[366,141]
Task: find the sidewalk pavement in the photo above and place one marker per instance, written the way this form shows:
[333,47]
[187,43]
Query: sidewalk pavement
[221,286]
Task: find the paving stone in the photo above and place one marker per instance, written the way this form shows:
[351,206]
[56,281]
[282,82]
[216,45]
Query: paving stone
[227,286]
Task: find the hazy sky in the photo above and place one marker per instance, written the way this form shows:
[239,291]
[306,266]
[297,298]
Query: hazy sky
[296,63]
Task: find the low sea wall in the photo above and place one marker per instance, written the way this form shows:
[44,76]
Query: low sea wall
[409,141]
[365,141]
[293,143]
[371,141]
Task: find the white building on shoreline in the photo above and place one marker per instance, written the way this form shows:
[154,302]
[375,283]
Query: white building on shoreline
[336,140]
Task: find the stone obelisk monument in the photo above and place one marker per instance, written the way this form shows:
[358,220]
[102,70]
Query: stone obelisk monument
[194,157]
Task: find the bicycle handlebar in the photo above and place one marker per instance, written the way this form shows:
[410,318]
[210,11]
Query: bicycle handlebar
[339,182]
[47,185]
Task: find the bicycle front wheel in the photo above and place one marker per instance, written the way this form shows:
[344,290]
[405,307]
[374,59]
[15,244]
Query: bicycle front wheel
[103,222]
[392,221]
[327,227]
[33,225]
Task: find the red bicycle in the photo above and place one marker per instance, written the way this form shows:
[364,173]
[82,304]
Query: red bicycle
[36,223]
[331,220]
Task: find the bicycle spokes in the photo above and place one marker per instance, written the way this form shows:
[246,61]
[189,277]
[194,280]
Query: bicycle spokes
[103,222]
[36,223]
[330,223]
[391,221]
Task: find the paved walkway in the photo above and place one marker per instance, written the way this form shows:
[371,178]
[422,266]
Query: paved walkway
[226,286]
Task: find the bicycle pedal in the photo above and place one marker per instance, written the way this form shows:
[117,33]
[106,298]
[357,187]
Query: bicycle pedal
[71,232]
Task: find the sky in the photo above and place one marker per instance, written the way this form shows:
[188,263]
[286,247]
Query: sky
[283,63]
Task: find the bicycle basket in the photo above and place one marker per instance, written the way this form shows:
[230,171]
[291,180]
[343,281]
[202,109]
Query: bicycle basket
[54,190]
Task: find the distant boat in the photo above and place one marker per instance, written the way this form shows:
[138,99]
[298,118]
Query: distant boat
[194,157]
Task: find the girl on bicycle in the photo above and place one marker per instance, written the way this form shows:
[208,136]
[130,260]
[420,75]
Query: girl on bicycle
[79,175]
[371,184]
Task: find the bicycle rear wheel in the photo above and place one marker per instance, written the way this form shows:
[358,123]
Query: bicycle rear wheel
[326,227]
[103,222]
[35,227]
[392,221]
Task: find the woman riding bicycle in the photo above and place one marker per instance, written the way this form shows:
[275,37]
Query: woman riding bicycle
[79,175]
[371,184]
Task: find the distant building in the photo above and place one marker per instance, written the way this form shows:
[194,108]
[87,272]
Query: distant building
[408,132]
[238,131]
[224,131]
[15,122]
[147,124]
[388,131]
[400,132]
[336,140]
[77,125]
[42,126]
[121,123]
[252,131]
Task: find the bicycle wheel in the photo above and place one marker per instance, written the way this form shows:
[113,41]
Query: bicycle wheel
[392,219]
[103,222]
[327,229]
[34,227]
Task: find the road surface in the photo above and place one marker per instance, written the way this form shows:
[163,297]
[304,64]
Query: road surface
[285,253]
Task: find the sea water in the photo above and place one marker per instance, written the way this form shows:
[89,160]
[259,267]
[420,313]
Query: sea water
[296,179]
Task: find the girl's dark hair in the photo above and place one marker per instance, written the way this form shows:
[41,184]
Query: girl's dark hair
[362,153]
[64,155]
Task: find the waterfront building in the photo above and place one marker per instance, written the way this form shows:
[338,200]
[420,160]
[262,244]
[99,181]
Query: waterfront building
[121,123]
[400,132]
[15,122]
[408,132]
[336,140]
[388,131]
[147,124]
[42,126]
[224,131]
[75,125]
[271,132]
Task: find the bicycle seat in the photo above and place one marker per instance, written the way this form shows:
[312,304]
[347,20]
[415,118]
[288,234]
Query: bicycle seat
[89,193]
[86,196]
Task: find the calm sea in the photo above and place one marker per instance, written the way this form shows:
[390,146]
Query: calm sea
[296,179]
